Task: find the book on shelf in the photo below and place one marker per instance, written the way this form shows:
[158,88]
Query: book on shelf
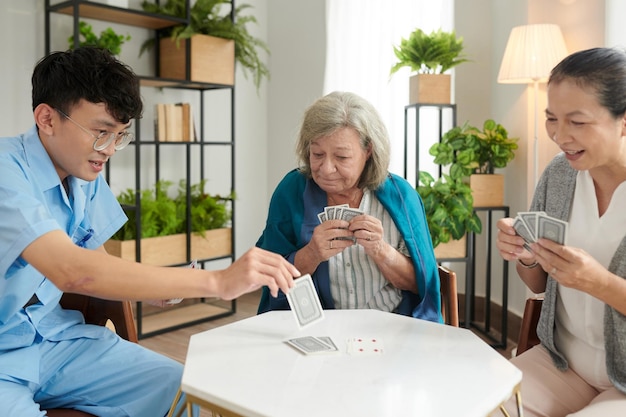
[174,122]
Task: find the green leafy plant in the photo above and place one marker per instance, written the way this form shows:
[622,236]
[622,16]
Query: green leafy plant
[449,207]
[162,215]
[108,38]
[207,212]
[469,150]
[429,54]
[207,17]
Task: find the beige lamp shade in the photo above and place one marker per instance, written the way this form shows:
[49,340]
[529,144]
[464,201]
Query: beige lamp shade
[531,53]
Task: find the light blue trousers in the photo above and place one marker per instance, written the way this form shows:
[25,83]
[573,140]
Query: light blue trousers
[107,377]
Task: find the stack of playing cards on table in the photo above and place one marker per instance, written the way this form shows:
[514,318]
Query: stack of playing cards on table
[311,345]
[534,225]
[342,212]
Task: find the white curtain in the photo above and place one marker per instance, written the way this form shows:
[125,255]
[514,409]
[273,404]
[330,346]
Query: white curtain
[360,38]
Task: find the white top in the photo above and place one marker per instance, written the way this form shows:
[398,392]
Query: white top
[579,332]
[426,369]
[355,280]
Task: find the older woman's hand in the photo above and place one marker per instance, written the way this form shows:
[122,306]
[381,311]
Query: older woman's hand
[368,231]
[329,238]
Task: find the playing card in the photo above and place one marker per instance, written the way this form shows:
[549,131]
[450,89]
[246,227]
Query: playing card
[330,212]
[365,346]
[328,341]
[522,230]
[304,302]
[551,228]
[347,213]
[322,217]
[530,220]
[311,345]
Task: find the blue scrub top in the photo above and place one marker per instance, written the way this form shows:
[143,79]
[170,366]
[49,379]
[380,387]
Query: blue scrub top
[32,203]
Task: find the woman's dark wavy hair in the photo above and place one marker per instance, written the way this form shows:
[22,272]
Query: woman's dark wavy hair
[62,79]
[603,70]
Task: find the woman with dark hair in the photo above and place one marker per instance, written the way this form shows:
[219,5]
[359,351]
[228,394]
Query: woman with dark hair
[579,369]
[382,259]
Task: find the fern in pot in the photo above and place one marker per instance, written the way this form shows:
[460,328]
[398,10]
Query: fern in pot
[209,19]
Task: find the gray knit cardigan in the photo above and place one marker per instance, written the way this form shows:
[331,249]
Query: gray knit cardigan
[554,195]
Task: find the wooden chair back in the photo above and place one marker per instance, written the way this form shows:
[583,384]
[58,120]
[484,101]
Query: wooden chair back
[528,330]
[99,312]
[449,296]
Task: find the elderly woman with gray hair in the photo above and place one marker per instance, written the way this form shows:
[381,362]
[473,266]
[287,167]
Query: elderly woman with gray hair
[382,259]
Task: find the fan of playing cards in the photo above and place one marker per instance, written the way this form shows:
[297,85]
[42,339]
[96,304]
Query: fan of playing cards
[341,212]
[534,225]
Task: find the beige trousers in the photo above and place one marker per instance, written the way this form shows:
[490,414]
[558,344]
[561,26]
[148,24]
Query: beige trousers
[548,392]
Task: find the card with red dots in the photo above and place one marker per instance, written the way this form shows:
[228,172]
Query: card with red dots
[365,346]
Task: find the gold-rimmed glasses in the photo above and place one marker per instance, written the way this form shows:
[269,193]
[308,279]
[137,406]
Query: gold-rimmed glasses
[104,139]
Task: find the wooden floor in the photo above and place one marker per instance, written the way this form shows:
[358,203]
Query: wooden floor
[174,343]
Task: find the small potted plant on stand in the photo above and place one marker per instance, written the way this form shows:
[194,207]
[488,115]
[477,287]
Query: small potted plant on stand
[475,154]
[430,56]
[449,212]
[215,40]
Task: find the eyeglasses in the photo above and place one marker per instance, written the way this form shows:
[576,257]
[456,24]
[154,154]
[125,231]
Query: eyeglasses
[104,139]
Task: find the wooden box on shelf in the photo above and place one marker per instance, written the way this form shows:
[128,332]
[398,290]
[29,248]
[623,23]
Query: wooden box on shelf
[171,250]
[487,190]
[452,249]
[429,88]
[212,59]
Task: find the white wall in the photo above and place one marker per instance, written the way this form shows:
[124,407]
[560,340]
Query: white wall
[297,65]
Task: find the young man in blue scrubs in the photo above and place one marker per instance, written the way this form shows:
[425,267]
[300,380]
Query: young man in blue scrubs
[56,211]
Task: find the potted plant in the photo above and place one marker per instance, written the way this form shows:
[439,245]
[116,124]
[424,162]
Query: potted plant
[430,56]
[108,38]
[449,211]
[475,153]
[164,226]
[216,39]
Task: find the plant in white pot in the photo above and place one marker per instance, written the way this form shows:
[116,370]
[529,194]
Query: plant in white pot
[430,56]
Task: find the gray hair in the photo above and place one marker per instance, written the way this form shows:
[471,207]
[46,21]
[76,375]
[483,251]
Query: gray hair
[340,110]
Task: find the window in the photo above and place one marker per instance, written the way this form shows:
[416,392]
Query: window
[360,39]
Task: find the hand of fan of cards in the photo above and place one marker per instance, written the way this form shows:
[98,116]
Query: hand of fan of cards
[535,225]
[341,212]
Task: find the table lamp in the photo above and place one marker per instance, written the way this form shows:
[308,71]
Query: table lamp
[530,54]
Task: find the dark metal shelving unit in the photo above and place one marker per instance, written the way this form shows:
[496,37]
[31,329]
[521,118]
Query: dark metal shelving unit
[470,249]
[77,9]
